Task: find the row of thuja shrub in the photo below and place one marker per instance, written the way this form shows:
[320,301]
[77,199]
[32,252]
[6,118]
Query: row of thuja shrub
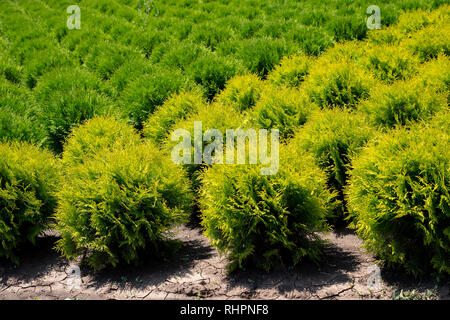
[333,108]
[110,196]
[114,202]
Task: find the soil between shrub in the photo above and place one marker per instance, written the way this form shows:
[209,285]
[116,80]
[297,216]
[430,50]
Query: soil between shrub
[197,271]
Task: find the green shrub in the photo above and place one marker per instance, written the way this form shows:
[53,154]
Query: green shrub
[242,92]
[141,97]
[402,103]
[212,72]
[265,220]
[105,58]
[348,27]
[291,72]
[398,196]
[175,109]
[210,34]
[42,62]
[97,134]
[260,56]
[430,42]
[333,137]
[180,54]
[18,116]
[65,98]
[339,84]
[281,108]
[10,70]
[120,203]
[390,63]
[436,74]
[129,71]
[311,41]
[28,178]
[212,116]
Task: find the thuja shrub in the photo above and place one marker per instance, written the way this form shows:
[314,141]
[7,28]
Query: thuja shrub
[436,74]
[402,103]
[338,84]
[430,42]
[141,97]
[398,196]
[18,115]
[242,92]
[212,72]
[28,179]
[292,70]
[66,98]
[212,116]
[261,55]
[281,108]
[175,109]
[105,58]
[390,63]
[120,204]
[97,135]
[265,220]
[333,137]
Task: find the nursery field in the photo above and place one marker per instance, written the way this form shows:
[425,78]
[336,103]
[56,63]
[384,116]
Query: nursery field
[345,193]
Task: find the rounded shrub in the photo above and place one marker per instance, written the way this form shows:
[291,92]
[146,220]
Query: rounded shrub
[119,204]
[265,220]
[398,196]
[429,42]
[105,58]
[291,72]
[333,137]
[141,97]
[242,92]
[18,115]
[281,108]
[261,55]
[436,73]
[390,63]
[338,84]
[97,135]
[175,109]
[402,103]
[28,179]
[212,72]
[66,98]
[212,116]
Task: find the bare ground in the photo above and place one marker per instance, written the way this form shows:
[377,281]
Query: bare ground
[199,272]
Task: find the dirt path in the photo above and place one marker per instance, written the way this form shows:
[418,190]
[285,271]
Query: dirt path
[198,272]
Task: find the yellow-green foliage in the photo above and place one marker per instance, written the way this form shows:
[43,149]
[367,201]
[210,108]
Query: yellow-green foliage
[429,42]
[242,92]
[390,63]
[402,103]
[338,84]
[436,74]
[398,196]
[175,109]
[292,71]
[115,206]
[281,108]
[95,135]
[28,179]
[265,220]
[333,137]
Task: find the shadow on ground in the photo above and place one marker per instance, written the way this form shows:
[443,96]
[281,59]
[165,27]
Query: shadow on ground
[197,271]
